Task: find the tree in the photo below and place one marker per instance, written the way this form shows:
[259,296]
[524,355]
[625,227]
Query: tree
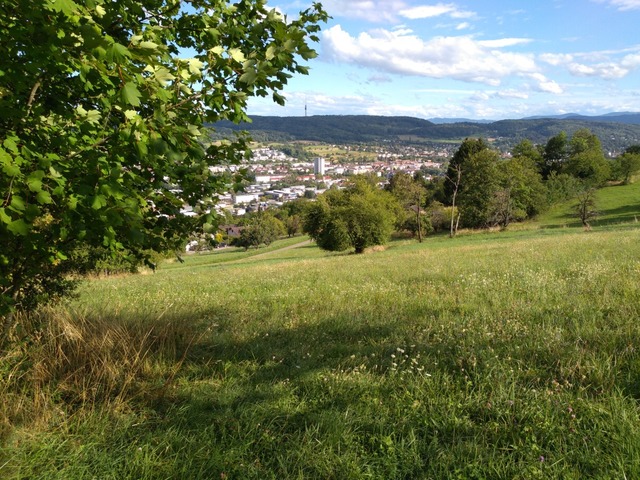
[411,194]
[586,206]
[465,151]
[554,155]
[586,159]
[478,188]
[358,217]
[626,166]
[261,228]
[520,193]
[290,213]
[102,137]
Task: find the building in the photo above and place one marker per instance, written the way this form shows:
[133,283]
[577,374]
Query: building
[318,166]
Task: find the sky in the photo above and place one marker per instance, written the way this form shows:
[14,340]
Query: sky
[476,59]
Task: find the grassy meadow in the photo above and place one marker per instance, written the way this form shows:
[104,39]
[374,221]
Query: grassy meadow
[491,355]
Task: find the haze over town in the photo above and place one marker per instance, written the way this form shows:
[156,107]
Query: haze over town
[468,59]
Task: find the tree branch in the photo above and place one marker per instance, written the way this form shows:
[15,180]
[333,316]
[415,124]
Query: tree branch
[32,96]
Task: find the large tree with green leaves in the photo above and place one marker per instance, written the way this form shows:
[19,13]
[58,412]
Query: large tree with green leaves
[103,107]
[360,216]
[586,159]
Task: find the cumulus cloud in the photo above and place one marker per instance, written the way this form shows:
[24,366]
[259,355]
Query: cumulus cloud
[461,58]
[607,65]
[543,84]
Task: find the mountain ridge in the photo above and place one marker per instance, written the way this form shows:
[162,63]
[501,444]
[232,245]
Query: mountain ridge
[615,136]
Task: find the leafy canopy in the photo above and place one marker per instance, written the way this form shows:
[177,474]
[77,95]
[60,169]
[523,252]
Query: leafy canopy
[358,217]
[102,109]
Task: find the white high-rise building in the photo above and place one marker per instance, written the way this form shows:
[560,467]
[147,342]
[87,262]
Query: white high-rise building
[318,166]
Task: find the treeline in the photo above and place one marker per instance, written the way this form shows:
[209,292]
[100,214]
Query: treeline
[480,189]
[614,137]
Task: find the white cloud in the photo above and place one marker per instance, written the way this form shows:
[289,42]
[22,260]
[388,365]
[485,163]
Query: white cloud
[391,10]
[545,85]
[370,10]
[431,11]
[503,42]
[623,5]
[607,71]
[428,11]
[556,59]
[463,26]
[512,94]
[461,58]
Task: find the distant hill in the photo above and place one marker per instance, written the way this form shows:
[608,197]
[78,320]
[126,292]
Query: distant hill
[614,135]
[632,118]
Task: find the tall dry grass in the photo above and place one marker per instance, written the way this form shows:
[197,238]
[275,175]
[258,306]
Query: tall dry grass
[59,357]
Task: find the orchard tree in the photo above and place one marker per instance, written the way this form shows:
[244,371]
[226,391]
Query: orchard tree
[262,228]
[358,217]
[586,159]
[554,155]
[478,188]
[411,194]
[102,132]
[628,164]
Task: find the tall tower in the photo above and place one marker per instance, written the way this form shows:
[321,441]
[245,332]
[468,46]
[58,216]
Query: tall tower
[318,166]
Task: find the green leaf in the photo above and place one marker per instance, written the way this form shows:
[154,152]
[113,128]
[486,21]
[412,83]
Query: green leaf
[72,202]
[4,217]
[163,76]
[237,54]
[271,52]
[249,77]
[19,227]
[34,181]
[43,197]
[10,145]
[118,53]
[279,99]
[148,45]
[195,66]
[68,7]
[99,201]
[17,203]
[11,170]
[130,94]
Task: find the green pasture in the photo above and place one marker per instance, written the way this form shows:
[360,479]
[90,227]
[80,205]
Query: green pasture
[615,205]
[491,355]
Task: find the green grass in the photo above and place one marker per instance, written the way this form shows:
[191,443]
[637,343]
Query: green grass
[616,204]
[491,355]
[505,355]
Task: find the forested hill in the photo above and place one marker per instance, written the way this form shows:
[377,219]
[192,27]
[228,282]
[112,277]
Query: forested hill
[366,128]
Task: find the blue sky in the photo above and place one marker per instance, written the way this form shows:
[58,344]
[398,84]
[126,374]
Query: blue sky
[479,59]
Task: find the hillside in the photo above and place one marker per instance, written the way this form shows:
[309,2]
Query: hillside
[362,128]
[490,355]
[508,355]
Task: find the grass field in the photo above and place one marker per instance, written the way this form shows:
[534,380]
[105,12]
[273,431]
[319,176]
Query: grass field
[491,355]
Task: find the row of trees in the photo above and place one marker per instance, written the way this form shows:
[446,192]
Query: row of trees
[480,189]
[485,190]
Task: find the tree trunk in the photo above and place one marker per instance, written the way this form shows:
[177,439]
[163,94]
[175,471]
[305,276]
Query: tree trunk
[456,185]
[419,220]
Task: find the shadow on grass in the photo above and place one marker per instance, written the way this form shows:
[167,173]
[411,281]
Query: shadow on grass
[623,214]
